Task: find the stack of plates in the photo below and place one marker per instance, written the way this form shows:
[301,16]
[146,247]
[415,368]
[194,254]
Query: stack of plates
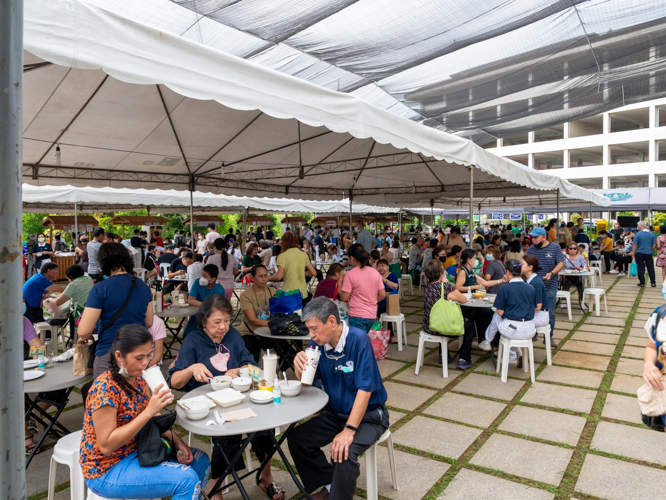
[261,397]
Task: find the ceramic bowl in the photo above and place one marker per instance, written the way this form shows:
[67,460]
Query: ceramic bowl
[291,390]
[241,384]
[220,382]
[197,410]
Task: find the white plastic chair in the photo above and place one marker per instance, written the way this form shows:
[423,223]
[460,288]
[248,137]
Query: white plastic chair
[595,266]
[505,346]
[545,330]
[371,466]
[164,272]
[598,293]
[141,273]
[399,327]
[443,341]
[422,280]
[405,281]
[562,294]
[66,452]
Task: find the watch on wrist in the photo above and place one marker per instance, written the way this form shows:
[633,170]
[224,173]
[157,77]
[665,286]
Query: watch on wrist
[349,426]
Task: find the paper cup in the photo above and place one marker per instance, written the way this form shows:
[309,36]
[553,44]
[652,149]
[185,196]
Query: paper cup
[270,367]
[153,377]
[311,368]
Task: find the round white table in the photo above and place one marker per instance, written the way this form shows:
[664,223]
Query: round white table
[176,312]
[269,416]
[58,377]
[294,344]
[585,274]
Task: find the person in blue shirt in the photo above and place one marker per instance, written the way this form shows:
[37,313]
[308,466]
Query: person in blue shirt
[202,288]
[39,285]
[644,244]
[356,414]
[107,297]
[42,251]
[216,348]
[530,268]
[515,306]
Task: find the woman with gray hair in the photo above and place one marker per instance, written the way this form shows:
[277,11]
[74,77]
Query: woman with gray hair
[515,308]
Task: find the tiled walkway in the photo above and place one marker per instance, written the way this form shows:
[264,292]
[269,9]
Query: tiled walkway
[575,433]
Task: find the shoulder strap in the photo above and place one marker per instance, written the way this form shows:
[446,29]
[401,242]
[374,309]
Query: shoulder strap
[120,311]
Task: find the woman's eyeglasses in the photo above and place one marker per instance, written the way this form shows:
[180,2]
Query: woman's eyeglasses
[573,248]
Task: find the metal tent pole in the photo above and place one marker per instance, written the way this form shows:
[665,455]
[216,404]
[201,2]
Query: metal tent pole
[76,225]
[432,216]
[351,231]
[471,203]
[558,211]
[192,242]
[12,465]
[244,235]
[589,228]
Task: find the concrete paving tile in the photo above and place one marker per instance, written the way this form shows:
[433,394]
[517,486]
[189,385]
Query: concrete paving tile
[543,424]
[622,408]
[395,416]
[557,396]
[601,320]
[617,480]
[408,352]
[581,360]
[387,367]
[637,323]
[436,436]
[571,376]
[596,337]
[255,491]
[466,409]
[470,484]
[630,366]
[520,457]
[630,351]
[488,367]
[586,327]
[626,383]
[638,332]
[433,359]
[428,376]
[411,485]
[588,347]
[406,397]
[616,314]
[632,442]
[637,341]
[559,334]
[484,385]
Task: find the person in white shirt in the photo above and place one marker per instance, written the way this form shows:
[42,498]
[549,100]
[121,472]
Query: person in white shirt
[307,233]
[201,244]
[212,234]
[235,251]
[194,271]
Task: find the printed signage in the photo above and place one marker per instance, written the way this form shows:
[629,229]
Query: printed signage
[515,217]
[498,216]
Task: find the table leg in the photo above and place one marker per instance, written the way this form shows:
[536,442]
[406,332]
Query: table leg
[230,469]
[277,447]
[53,421]
[238,311]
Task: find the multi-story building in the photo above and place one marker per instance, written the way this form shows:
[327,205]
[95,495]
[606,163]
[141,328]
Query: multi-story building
[623,148]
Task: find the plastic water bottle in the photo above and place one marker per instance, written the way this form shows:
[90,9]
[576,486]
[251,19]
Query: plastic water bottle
[277,395]
[41,362]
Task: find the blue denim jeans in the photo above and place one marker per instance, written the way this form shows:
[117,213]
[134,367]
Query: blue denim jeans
[127,479]
[552,300]
[362,323]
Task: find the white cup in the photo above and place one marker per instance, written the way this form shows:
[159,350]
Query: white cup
[311,367]
[270,366]
[244,372]
[153,377]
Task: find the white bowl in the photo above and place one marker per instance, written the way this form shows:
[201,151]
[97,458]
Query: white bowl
[220,382]
[291,390]
[241,384]
[196,410]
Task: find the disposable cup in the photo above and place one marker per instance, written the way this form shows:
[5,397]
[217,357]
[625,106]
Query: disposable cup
[270,366]
[311,367]
[153,377]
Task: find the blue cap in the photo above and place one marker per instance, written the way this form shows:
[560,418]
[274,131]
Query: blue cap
[538,231]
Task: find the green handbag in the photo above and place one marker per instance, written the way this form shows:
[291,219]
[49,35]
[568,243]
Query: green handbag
[446,318]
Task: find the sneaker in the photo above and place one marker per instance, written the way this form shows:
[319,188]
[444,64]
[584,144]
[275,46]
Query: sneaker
[621,274]
[563,305]
[484,346]
[536,336]
[463,365]
[614,271]
[552,342]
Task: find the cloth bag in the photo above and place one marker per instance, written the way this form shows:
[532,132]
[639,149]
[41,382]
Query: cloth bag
[446,318]
[379,339]
[152,448]
[393,304]
[633,269]
[652,401]
[81,359]
[343,310]
[287,324]
[286,302]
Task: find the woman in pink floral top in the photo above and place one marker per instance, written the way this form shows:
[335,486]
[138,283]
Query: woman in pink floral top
[661,252]
[436,288]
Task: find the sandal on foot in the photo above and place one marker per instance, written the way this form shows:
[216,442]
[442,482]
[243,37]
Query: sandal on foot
[32,425]
[30,447]
[274,491]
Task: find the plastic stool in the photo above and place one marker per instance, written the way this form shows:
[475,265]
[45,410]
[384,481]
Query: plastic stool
[597,292]
[595,266]
[561,294]
[505,346]
[66,452]
[406,280]
[444,341]
[400,328]
[41,328]
[371,466]
[545,330]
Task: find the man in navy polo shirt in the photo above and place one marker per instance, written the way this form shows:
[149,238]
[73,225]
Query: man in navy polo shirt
[356,414]
[551,262]
[38,286]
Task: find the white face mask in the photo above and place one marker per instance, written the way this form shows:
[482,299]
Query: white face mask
[201,237]
[203,282]
[41,240]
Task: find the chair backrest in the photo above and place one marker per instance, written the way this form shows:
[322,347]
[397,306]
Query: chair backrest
[164,271]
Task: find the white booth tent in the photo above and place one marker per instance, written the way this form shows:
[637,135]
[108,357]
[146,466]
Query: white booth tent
[110,102]
[103,199]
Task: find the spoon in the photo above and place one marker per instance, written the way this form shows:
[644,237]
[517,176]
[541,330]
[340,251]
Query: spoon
[284,374]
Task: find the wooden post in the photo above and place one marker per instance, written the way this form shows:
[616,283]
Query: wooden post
[51,235]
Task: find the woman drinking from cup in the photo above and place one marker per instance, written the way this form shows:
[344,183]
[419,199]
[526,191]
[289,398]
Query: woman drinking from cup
[216,348]
[117,408]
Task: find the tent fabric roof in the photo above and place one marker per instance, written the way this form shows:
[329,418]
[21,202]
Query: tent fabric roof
[130,105]
[452,64]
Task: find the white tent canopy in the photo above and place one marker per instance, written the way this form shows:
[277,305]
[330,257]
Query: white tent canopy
[89,199]
[128,105]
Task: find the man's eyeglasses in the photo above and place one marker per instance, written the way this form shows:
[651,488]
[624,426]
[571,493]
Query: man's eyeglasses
[334,357]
